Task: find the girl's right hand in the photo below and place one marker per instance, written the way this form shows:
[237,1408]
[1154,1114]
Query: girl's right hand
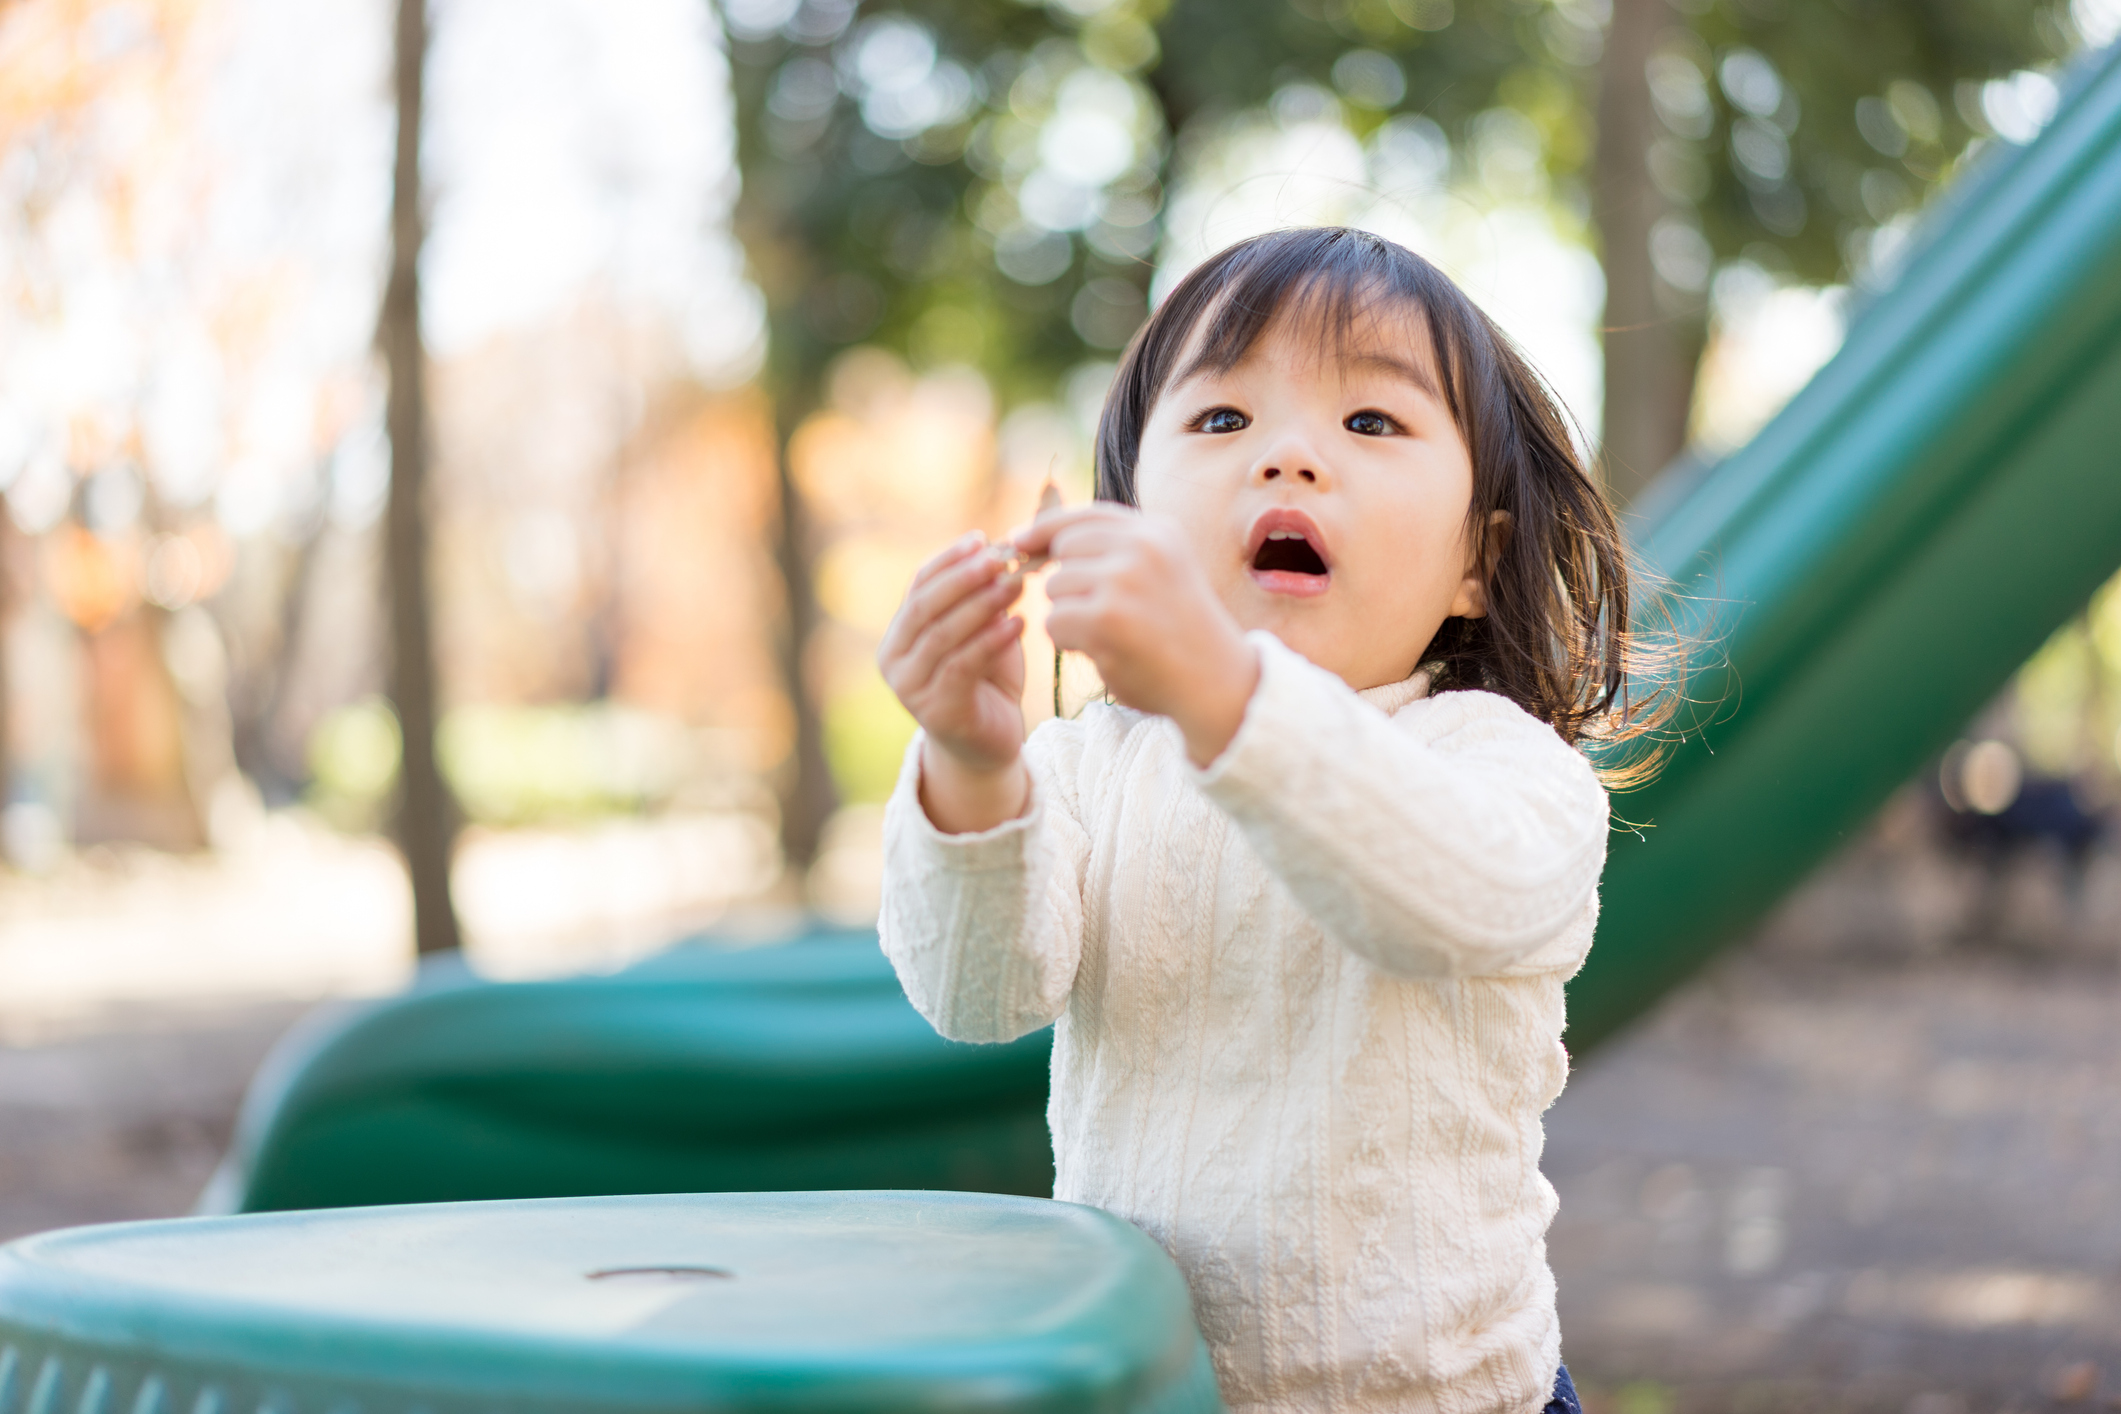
[954,656]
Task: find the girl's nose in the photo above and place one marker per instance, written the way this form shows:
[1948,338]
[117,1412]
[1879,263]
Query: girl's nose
[1291,459]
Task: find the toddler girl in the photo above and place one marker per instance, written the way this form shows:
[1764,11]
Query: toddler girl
[1302,895]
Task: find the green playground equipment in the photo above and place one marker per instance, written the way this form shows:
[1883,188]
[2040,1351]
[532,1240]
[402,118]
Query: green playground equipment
[795,1303]
[1874,566]
[1860,578]
[701,1070]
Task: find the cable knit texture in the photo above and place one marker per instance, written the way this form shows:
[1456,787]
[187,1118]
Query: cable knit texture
[1309,1007]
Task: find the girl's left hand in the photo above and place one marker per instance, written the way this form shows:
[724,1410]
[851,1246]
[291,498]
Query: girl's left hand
[1127,591]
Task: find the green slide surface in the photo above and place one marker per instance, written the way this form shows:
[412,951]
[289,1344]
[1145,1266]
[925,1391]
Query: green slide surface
[1878,561]
[798,1303]
[704,1069]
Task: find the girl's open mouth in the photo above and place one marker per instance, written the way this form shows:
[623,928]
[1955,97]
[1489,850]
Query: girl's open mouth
[1288,554]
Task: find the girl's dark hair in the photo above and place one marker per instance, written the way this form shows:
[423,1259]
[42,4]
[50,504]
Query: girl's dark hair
[1556,639]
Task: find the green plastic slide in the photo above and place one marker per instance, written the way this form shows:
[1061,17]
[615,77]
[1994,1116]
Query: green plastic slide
[1873,567]
[795,1303]
[704,1069]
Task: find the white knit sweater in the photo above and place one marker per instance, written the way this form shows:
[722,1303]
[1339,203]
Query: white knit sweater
[1309,1008]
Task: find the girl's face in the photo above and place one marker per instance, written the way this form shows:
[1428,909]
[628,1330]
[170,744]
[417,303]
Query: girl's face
[1325,494]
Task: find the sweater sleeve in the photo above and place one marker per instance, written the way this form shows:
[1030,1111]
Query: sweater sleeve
[985,930]
[1458,838]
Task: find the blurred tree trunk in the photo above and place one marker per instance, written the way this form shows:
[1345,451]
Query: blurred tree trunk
[426,815]
[785,265]
[808,795]
[1652,341]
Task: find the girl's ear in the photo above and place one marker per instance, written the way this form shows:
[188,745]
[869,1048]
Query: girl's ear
[1471,601]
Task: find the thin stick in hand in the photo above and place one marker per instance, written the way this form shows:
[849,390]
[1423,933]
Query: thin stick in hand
[1049,501]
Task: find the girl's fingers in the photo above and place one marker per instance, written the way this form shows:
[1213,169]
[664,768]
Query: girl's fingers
[1066,628]
[991,642]
[926,603]
[1075,578]
[952,629]
[949,555]
[978,658]
[1089,555]
[959,563]
[973,660]
[1037,538]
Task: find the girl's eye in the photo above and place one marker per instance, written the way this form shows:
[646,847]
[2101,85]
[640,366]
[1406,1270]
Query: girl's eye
[1371,424]
[1223,420]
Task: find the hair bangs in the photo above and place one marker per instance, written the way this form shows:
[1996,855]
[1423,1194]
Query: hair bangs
[1336,292]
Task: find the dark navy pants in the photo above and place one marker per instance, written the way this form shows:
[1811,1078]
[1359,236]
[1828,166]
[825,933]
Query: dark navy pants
[1564,1400]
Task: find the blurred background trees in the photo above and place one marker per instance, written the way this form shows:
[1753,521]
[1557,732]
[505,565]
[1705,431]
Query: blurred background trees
[736,310]
[1792,140]
[1675,134]
[884,165]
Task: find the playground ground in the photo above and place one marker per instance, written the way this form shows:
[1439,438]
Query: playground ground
[1870,1161]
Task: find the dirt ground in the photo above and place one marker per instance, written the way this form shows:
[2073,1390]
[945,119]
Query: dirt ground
[1883,1185]
[126,1115]
[1865,1163]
